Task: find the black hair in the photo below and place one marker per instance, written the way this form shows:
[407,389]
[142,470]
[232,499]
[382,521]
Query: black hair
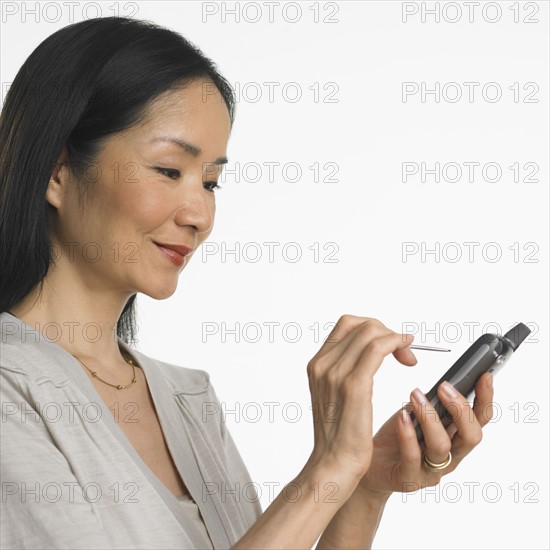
[84,82]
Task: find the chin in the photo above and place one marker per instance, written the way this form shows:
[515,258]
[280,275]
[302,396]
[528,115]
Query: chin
[160,293]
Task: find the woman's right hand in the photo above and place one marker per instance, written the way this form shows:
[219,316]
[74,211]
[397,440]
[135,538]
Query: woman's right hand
[341,380]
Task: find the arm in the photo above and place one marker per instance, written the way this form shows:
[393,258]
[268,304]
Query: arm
[391,461]
[341,386]
[301,511]
[355,524]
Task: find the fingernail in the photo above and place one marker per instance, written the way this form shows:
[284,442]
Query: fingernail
[419,396]
[404,415]
[448,389]
[489,381]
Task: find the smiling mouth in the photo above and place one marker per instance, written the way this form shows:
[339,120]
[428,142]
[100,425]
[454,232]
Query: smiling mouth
[172,255]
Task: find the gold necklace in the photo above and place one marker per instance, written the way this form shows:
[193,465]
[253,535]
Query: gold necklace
[94,373]
[117,386]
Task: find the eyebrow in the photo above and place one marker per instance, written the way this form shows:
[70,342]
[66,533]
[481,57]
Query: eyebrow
[188,147]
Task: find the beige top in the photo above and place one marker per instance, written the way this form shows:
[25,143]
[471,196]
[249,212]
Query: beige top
[70,477]
[191,509]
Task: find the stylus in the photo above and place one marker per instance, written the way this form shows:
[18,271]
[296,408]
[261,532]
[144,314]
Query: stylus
[428,348]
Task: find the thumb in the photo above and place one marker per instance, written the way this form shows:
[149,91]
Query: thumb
[404,355]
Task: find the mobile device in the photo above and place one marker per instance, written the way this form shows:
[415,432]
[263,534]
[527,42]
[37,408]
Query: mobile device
[488,353]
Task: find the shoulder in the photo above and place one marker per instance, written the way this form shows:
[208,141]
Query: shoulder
[26,359]
[184,380]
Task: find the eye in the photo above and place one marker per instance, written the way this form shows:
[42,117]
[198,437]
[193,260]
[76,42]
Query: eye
[213,185]
[171,173]
[174,174]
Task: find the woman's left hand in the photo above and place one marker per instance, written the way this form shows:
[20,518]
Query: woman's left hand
[398,458]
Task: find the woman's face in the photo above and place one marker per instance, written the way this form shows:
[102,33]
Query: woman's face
[147,190]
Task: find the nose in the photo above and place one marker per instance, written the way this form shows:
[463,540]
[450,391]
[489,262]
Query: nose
[196,207]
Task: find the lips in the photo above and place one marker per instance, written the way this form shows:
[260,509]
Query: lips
[180,249]
[176,253]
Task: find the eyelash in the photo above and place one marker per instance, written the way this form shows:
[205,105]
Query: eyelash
[167,171]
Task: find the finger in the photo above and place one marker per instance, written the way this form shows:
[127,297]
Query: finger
[469,432]
[341,358]
[436,438]
[409,448]
[483,401]
[344,326]
[327,369]
[371,355]
[404,355]
[451,430]
[355,344]
[339,342]
[356,387]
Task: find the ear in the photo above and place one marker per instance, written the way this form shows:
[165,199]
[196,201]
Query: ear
[59,180]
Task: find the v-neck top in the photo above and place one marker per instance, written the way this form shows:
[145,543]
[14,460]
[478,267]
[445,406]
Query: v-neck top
[70,478]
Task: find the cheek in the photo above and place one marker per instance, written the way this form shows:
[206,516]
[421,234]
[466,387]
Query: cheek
[140,195]
[128,209]
[140,217]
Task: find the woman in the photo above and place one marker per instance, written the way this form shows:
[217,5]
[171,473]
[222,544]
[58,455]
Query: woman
[113,136]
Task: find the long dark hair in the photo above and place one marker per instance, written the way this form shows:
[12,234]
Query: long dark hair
[84,82]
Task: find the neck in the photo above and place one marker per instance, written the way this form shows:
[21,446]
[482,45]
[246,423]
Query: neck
[90,334]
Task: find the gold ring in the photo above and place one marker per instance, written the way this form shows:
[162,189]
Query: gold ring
[436,467]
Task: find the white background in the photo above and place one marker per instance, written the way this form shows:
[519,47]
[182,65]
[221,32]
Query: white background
[368,131]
